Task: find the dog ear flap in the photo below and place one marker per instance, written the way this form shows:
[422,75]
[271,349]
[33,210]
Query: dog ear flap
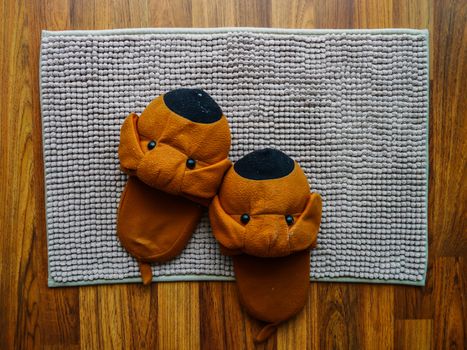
[229,233]
[206,180]
[129,149]
[304,233]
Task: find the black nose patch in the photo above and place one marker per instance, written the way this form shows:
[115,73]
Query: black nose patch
[193,104]
[264,164]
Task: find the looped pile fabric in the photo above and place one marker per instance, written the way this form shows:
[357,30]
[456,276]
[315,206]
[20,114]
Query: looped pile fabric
[350,106]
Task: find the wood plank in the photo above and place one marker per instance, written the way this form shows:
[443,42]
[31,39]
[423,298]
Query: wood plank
[449,126]
[169,13]
[42,317]
[314,318]
[235,319]
[18,298]
[372,14]
[129,14]
[376,317]
[114,318]
[224,324]
[212,316]
[410,14]
[58,320]
[89,318]
[178,316]
[414,334]
[293,14]
[85,14]
[450,314]
[294,333]
[336,317]
[334,14]
[55,14]
[253,13]
[143,310]
[127,314]
[208,13]
[414,302]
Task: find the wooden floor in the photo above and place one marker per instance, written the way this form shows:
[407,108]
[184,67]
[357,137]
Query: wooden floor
[207,315]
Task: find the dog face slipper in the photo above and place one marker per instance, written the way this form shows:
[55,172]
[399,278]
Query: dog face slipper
[265,218]
[176,156]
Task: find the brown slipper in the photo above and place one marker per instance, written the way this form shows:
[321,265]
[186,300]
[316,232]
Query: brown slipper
[265,218]
[176,156]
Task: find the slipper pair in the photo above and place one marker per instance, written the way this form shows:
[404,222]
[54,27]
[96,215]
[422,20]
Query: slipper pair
[261,209]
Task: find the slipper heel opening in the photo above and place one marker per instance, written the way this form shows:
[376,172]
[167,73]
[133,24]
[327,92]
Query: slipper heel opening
[266,332]
[146,273]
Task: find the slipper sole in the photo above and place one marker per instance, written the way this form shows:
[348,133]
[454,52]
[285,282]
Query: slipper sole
[152,225]
[273,289]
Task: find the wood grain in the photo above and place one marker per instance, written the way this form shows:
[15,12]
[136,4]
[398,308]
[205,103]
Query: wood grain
[178,316]
[414,334]
[208,315]
[449,129]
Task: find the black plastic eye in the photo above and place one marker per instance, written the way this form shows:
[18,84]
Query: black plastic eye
[289,219]
[245,218]
[190,163]
[151,144]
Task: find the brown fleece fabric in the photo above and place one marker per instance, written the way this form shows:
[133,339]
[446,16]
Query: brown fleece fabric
[162,200]
[272,289]
[271,259]
[146,213]
[266,202]
[177,139]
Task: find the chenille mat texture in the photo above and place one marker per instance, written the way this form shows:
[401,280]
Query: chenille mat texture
[351,106]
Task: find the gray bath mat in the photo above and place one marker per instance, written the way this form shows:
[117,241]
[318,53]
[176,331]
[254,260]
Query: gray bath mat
[350,106]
